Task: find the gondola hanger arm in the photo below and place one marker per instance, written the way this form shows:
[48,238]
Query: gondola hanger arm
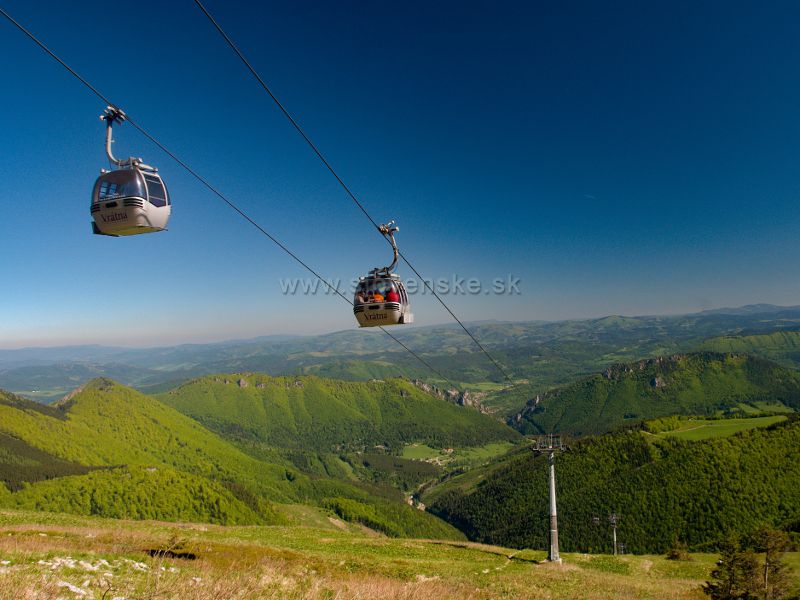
[111,115]
[388,230]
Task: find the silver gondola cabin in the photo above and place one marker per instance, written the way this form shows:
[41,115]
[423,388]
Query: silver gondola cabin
[130,200]
[381,297]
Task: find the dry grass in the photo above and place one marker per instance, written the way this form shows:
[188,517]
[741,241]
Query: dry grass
[104,559]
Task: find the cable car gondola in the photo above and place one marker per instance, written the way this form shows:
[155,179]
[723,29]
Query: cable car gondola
[381,297]
[130,200]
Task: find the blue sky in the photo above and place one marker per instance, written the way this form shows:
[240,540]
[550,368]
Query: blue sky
[634,158]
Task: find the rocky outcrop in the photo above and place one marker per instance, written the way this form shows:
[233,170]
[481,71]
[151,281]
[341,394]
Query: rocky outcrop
[461,398]
[66,401]
[619,370]
[657,370]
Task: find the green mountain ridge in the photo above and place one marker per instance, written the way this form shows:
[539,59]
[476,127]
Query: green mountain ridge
[702,383]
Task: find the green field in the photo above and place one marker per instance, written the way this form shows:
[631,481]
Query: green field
[760,409]
[458,456]
[420,452]
[703,429]
[488,386]
[481,454]
[772,407]
[53,555]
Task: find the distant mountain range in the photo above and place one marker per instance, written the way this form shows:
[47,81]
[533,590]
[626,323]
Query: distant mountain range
[750,309]
[539,355]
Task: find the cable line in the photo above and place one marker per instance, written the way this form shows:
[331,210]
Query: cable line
[208,185]
[330,168]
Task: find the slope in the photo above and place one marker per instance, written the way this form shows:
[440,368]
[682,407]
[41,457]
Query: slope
[107,425]
[46,553]
[690,384]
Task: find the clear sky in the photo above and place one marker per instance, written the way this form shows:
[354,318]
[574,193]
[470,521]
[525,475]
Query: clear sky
[622,158]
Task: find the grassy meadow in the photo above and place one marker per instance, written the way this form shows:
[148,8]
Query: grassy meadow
[703,429]
[457,456]
[47,555]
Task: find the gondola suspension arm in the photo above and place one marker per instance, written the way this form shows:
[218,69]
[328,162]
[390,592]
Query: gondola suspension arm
[111,115]
[388,230]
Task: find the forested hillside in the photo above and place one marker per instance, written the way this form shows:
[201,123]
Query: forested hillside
[149,461]
[663,490]
[107,424]
[688,384]
[139,493]
[21,463]
[314,414]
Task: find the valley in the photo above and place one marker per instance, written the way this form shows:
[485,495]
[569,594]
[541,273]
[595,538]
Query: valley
[685,447]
